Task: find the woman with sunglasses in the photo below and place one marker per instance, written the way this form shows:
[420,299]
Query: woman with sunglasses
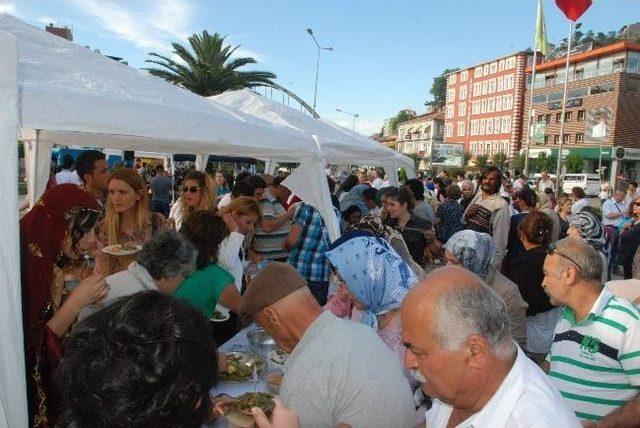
[630,239]
[197,195]
[525,270]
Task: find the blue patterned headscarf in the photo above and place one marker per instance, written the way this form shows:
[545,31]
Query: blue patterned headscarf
[376,275]
[354,197]
[473,250]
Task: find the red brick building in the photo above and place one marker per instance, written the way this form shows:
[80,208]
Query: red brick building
[484,106]
[602,110]
[64,32]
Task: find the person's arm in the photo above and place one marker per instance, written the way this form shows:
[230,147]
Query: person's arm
[272,224]
[292,239]
[231,298]
[501,224]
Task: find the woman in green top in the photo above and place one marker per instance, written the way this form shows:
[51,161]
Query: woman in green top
[209,283]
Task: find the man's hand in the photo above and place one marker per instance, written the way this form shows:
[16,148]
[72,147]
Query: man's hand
[282,417]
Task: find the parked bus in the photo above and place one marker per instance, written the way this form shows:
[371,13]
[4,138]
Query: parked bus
[589,182]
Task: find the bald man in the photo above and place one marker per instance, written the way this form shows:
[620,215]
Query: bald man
[338,372]
[459,346]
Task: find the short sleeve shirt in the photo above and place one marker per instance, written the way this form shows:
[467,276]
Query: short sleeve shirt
[203,288]
[308,255]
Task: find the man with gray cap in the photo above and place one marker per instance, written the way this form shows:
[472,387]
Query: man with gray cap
[338,372]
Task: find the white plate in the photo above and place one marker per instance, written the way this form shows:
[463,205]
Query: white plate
[224,311]
[116,250]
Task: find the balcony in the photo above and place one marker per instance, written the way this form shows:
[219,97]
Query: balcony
[582,74]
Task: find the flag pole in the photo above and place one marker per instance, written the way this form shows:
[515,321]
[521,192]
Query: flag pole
[530,121]
[564,108]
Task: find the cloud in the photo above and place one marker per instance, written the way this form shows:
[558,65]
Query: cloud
[9,8]
[364,126]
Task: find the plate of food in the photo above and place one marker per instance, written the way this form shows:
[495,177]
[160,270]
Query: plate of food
[238,410]
[220,314]
[239,367]
[278,357]
[121,249]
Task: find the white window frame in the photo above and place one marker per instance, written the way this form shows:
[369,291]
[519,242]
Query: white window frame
[462,109]
[463,92]
[461,129]
[464,76]
[493,67]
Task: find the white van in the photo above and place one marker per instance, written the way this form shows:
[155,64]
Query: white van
[589,182]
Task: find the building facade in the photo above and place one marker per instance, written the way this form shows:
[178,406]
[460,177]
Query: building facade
[484,106]
[417,135]
[602,108]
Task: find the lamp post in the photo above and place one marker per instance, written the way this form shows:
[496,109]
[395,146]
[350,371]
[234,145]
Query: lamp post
[320,48]
[354,115]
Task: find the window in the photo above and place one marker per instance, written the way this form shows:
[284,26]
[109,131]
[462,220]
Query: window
[546,139]
[485,85]
[482,125]
[491,105]
[578,74]
[581,115]
[556,139]
[492,86]
[567,116]
[493,67]
[579,138]
[463,93]
[461,126]
[489,127]
[540,118]
[498,103]
[547,119]
[496,125]
[510,63]
[537,99]
[501,65]
[462,109]
[447,130]
[618,65]
[602,89]
[475,107]
[451,95]
[500,84]
[485,69]
[566,138]
[477,72]
[452,78]
[464,76]
[474,127]
[558,117]
[476,89]
[550,80]
[450,111]
[483,106]
[507,128]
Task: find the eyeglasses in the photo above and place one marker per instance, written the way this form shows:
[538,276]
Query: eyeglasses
[192,189]
[553,250]
[636,204]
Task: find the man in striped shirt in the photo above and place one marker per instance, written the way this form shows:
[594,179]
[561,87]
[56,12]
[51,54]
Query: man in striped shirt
[595,356]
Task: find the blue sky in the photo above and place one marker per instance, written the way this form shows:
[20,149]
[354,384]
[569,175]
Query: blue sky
[385,52]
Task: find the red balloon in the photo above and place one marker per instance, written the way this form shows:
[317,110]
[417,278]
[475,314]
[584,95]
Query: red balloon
[573,9]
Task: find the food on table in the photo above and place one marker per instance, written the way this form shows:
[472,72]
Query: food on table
[121,249]
[217,315]
[240,367]
[278,356]
[249,400]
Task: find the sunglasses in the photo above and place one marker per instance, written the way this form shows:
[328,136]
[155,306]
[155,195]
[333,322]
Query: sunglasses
[192,189]
[637,204]
[554,250]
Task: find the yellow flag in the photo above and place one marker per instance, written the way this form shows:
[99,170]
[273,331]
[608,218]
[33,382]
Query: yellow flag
[541,32]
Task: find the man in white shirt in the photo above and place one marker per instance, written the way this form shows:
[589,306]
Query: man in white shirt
[546,183]
[613,216]
[470,364]
[68,174]
[378,182]
[520,183]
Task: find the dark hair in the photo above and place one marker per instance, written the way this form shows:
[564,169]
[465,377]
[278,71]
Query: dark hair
[489,170]
[79,223]
[198,176]
[528,196]
[278,181]
[242,188]
[67,161]
[206,230]
[537,228]
[454,192]
[159,168]
[242,176]
[578,192]
[257,182]
[331,183]
[416,187]
[145,360]
[548,190]
[370,193]
[402,196]
[86,162]
[349,183]
[633,183]
[352,209]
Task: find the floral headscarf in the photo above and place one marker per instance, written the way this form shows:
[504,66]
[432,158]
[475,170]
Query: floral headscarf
[373,272]
[590,230]
[473,250]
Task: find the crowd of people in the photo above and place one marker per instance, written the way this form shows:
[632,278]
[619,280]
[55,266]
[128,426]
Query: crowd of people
[523,324]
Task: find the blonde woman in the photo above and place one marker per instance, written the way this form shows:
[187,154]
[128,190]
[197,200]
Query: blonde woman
[198,194]
[564,212]
[128,218]
[240,216]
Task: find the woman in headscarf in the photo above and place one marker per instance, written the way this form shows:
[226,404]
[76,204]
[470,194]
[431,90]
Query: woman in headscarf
[376,280]
[586,226]
[55,236]
[355,198]
[473,251]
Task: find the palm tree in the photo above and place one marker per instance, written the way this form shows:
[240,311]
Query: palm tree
[208,69]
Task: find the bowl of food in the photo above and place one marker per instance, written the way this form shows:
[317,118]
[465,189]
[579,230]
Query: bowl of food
[273,379]
[260,342]
[220,314]
[277,357]
[239,413]
[240,367]
[121,249]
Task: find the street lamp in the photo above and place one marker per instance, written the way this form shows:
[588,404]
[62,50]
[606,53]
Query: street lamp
[315,92]
[354,115]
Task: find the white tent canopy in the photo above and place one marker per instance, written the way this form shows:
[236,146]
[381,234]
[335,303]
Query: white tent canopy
[338,145]
[55,92]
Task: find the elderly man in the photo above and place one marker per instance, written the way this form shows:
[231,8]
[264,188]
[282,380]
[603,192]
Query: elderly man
[546,182]
[338,372]
[468,190]
[162,265]
[489,213]
[613,216]
[459,345]
[594,357]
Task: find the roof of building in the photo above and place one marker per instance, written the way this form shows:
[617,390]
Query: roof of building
[434,115]
[584,56]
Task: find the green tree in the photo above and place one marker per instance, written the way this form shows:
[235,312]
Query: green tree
[543,162]
[208,67]
[400,117]
[467,158]
[439,90]
[498,159]
[518,164]
[481,161]
[574,163]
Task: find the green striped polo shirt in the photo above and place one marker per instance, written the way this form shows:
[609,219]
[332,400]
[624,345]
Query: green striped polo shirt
[595,363]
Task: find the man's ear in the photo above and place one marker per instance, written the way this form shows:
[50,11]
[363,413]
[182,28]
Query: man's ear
[477,350]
